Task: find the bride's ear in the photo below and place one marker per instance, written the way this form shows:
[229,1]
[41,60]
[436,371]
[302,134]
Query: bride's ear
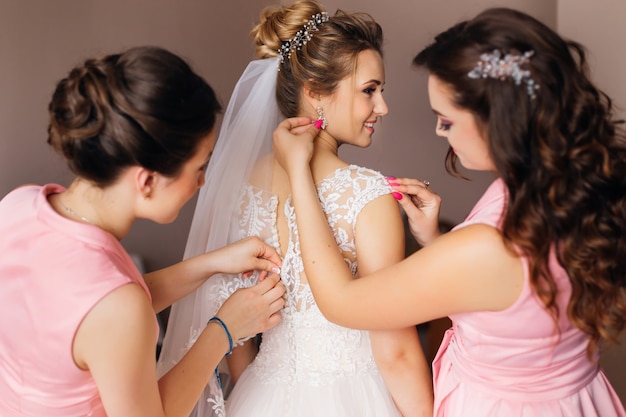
[312,98]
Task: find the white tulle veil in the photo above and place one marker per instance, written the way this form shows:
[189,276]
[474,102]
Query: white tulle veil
[245,136]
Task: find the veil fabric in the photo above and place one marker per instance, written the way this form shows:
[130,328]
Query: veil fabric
[245,136]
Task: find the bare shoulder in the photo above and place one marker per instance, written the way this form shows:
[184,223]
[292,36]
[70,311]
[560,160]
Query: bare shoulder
[477,238]
[326,166]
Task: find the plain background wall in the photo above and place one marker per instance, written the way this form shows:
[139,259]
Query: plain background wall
[40,40]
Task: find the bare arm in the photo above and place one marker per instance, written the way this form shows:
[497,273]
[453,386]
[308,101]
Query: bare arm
[465,270]
[398,353]
[116,343]
[169,284]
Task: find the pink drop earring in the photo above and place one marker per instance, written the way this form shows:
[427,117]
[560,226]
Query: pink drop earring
[321,121]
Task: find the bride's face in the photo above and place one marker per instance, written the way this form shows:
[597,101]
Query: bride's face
[354,108]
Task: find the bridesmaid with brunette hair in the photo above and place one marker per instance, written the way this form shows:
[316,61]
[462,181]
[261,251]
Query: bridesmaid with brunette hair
[78,330]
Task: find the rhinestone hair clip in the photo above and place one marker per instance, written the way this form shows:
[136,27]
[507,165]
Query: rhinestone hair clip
[494,65]
[302,36]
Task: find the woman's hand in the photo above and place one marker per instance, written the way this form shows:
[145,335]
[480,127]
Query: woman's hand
[293,143]
[421,206]
[253,310]
[170,284]
[246,256]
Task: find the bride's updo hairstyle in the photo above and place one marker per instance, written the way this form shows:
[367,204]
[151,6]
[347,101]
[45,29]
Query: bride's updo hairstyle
[144,107]
[328,57]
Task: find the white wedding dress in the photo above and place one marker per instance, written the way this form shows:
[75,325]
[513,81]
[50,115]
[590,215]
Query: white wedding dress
[306,365]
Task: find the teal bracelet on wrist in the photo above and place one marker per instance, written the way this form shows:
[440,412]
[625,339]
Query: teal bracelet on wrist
[230,339]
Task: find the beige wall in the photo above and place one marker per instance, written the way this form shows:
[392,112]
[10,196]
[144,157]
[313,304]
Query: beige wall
[41,39]
[599,26]
[607,60]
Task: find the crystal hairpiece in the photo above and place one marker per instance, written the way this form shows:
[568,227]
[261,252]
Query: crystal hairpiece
[302,36]
[494,65]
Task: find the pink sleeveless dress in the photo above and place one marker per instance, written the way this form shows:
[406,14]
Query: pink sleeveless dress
[512,363]
[52,272]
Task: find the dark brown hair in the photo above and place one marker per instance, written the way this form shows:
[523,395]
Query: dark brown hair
[142,107]
[562,156]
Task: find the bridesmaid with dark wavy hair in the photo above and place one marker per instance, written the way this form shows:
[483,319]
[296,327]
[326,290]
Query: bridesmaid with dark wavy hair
[534,280]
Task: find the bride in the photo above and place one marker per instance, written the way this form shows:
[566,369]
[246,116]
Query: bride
[328,68]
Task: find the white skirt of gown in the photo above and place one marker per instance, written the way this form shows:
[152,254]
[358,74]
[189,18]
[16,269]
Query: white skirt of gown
[309,367]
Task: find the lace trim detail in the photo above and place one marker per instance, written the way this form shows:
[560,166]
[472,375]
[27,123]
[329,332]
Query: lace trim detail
[214,400]
[258,215]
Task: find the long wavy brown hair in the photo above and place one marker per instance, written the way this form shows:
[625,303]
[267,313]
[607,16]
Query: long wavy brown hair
[561,154]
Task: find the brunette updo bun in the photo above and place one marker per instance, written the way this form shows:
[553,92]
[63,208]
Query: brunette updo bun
[142,107]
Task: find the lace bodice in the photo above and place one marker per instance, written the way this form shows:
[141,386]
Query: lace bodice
[305,347]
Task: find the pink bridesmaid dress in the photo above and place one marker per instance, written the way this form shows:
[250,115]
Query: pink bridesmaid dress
[513,363]
[53,271]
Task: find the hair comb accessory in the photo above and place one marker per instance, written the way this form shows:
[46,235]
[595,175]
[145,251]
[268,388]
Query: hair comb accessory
[302,36]
[494,65]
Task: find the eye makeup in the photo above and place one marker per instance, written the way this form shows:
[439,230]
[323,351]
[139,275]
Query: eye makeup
[444,125]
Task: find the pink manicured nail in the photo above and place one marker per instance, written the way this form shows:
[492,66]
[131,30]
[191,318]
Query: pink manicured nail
[390,178]
[397,195]
[318,124]
[393,184]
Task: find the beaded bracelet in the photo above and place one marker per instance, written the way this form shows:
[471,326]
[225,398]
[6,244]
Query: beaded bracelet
[230,339]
